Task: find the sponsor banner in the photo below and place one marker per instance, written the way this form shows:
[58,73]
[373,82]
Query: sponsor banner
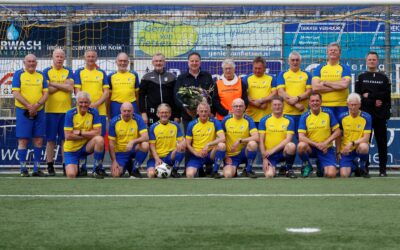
[355,37]
[246,40]
[9,156]
[106,38]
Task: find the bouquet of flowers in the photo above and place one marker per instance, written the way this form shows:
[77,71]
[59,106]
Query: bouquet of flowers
[192,96]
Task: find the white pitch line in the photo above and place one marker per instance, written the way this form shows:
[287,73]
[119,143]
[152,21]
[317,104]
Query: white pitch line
[186,195]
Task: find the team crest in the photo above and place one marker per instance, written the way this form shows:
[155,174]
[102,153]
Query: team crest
[171,131]
[37,80]
[165,78]
[323,122]
[87,123]
[97,77]
[300,78]
[209,130]
[131,130]
[242,128]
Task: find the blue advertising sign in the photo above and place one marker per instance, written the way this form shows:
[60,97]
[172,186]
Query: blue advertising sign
[355,37]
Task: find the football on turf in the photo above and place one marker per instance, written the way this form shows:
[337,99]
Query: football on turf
[163,171]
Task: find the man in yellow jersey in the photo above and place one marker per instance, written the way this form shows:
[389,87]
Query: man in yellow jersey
[60,80]
[276,133]
[30,91]
[167,144]
[205,140]
[241,141]
[124,86]
[128,139]
[83,137]
[332,80]
[318,128]
[356,126]
[94,81]
[294,85]
[261,87]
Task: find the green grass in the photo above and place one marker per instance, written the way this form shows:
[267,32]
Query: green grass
[199,222]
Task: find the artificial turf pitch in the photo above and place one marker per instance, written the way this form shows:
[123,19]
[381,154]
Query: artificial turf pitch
[243,213]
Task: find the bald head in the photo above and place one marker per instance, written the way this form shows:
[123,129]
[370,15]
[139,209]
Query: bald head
[126,111]
[238,101]
[122,62]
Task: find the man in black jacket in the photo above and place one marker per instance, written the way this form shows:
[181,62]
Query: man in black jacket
[194,77]
[157,87]
[374,88]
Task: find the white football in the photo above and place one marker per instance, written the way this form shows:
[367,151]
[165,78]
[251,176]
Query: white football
[163,171]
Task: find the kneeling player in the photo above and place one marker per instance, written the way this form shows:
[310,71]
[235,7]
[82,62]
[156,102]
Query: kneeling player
[276,132]
[166,143]
[356,126]
[82,137]
[318,128]
[241,141]
[128,138]
[205,141]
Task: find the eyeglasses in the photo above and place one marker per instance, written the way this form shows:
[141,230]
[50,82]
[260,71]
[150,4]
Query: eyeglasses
[295,60]
[238,106]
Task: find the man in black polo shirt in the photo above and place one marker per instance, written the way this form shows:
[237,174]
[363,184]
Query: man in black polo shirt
[374,88]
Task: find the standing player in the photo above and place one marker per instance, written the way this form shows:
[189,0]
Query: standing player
[261,87]
[276,132]
[194,77]
[294,85]
[331,80]
[94,81]
[166,143]
[205,140]
[356,126]
[83,137]
[241,141]
[30,91]
[124,86]
[318,128]
[374,88]
[128,138]
[61,84]
[157,87]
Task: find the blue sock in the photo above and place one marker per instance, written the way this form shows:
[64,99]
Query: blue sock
[22,159]
[178,159]
[363,160]
[37,153]
[289,159]
[102,155]
[251,156]
[98,160]
[219,157]
[139,159]
[305,158]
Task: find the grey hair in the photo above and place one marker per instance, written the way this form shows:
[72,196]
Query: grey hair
[294,53]
[228,61]
[83,94]
[58,50]
[163,105]
[159,54]
[335,44]
[354,97]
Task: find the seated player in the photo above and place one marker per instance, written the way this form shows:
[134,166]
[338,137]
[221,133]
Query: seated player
[241,141]
[128,139]
[83,137]
[166,143]
[276,133]
[318,128]
[356,127]
[205,140]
